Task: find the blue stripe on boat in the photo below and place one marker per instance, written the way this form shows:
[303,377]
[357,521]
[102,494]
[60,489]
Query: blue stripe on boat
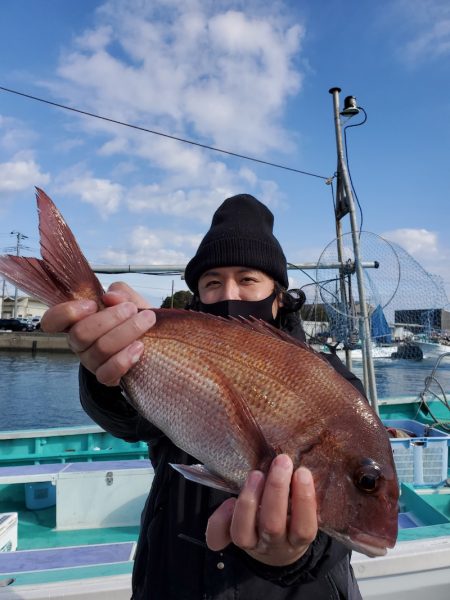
[59,558]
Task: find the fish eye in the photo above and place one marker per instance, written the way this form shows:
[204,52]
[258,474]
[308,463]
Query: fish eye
[367,477]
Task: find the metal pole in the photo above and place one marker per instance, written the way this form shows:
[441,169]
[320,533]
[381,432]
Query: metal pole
[20,237]
[3,297]
[365,329]
[179,269]
[344,300]
[15,289]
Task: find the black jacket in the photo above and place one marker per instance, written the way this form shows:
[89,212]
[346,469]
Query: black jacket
[172,561]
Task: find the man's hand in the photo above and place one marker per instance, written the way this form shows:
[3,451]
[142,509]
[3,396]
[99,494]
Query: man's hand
[258,520]
[107,341]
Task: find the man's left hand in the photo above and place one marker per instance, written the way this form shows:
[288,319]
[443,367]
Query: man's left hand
[259,520]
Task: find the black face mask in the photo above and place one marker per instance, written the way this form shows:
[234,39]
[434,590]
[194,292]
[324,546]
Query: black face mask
[260,309]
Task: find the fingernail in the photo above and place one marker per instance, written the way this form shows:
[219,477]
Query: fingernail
[304,476]
[282,461]
[88,304]
[146,318]
[135,351]
[254,479]
[126,310]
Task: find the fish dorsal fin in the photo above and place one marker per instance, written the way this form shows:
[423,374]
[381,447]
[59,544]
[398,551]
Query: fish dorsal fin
[61,254]
[270,331]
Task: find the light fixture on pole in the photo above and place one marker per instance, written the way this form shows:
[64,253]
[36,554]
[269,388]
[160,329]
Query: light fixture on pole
[350,107]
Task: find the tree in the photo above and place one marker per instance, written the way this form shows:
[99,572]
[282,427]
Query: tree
[180,299]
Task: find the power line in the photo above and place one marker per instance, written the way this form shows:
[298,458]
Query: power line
[166,135]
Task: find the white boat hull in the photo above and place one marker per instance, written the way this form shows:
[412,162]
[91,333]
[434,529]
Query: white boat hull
[431,350]
[413,570]
[378,352]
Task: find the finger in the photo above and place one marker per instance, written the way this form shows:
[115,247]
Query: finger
[111,372]
[121,292]
[85,332]
[124,333]
[123,322]
[275,500]
[303,522]
[244,524]
[62,316]
[218,528]
[120,338]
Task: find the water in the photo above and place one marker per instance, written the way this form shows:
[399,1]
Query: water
[39,391]
[42,391]
[406,378]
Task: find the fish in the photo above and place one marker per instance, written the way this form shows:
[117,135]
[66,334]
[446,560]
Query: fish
[234,393]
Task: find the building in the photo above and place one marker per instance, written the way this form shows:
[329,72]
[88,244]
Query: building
[423,320]
[27,307]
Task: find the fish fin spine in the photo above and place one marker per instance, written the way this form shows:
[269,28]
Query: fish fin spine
[200,474]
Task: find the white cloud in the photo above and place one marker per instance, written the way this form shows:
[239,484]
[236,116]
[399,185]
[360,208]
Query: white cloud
[14,134]
[427,249]
[147,246]
[196,203]
[197,69]
[423,29]
[418,242]
[105,195]
[69,144]
[20,174]
[217,72]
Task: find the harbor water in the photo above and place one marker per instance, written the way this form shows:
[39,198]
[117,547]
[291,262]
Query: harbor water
[41,390]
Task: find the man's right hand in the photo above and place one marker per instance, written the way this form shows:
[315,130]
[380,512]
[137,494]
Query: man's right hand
[107,341]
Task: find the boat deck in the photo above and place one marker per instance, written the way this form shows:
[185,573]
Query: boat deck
[78,495]
[45,554]
[88,534]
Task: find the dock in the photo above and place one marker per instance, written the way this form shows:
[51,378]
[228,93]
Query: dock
[33,341]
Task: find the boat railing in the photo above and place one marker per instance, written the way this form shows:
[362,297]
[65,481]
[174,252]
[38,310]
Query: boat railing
[90,443]
[438,393]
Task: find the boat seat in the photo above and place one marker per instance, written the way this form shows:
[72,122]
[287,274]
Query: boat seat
[46,559]
[89,495]
[52,471]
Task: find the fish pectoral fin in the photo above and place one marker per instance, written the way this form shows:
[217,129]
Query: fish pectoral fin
[249,428]
[200,474]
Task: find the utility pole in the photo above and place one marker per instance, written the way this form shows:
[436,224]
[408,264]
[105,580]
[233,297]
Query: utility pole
[351,108]
[3,297]
[20,237]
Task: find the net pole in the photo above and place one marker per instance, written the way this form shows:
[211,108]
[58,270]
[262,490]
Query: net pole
[369,372]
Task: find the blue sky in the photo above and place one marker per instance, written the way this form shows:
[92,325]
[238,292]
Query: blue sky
[251,77]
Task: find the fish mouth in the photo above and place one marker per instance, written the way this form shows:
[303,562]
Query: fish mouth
[365,543]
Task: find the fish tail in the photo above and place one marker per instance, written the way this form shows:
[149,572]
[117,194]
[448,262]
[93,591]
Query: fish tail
[63,273]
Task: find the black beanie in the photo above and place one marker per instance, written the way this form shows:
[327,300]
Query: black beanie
[240,236]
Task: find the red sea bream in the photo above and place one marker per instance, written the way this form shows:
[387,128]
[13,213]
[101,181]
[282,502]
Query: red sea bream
[234,394]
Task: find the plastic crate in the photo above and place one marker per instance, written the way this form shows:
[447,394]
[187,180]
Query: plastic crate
[421,460]
[40,495]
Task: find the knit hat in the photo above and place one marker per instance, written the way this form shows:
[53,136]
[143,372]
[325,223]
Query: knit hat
[241,235]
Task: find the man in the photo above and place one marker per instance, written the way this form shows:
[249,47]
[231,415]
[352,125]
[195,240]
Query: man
[254,549]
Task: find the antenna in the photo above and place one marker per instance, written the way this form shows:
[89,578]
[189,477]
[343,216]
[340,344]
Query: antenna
[18,247]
